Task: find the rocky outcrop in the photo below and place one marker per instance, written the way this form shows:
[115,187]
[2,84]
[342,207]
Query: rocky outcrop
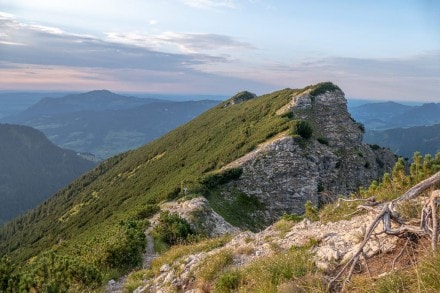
[202,219]
[336,243]
[287,171]
[240,98]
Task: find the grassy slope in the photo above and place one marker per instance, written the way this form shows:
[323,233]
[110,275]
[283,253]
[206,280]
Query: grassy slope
[83,218]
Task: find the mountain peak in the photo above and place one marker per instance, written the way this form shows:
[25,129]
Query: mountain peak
[102,92]
[240,98]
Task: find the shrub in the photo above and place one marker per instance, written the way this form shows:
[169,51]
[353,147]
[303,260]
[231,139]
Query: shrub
[303,129]
[228,281]
[174,193]
[171,229]
[322,88]
[49,273]
[213,180]
[323,140]
[311,212]
[288,115]
[292,217]
[127,251]
[374,147]
[148,211]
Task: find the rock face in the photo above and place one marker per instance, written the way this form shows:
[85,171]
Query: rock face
[336,243]
[200,216]
[288,171]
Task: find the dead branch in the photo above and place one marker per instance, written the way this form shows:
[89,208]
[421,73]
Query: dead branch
[399,255]
[419,188]
[371,201]
[388,214]
[435,196]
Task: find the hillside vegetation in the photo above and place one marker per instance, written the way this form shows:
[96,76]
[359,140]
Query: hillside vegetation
[98,216]
[93,230]
[405,141]
[387,115]
[32,169]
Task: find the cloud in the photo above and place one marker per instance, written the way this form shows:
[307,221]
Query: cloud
[201,42]
[210,4]
[41,57]
[52,46]
[412,78]
[181,42]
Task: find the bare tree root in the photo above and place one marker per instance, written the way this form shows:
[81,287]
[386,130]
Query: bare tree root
[428,223]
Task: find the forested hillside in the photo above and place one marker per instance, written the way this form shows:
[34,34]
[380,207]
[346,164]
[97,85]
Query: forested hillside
[32,169]
[104,123]
[405,141]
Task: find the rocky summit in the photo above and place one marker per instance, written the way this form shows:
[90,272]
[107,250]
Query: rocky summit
[287,171]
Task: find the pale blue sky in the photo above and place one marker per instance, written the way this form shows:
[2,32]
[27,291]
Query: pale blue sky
[371,49]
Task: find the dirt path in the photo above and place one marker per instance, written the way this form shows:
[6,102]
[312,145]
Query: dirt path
[149,254]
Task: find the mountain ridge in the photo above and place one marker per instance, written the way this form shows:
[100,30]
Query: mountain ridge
[32,169]
[103,123]
[94,218]
[406,141]
[387,115]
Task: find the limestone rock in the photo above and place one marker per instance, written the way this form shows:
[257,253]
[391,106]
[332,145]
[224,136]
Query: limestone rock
[201,217]
[287,171]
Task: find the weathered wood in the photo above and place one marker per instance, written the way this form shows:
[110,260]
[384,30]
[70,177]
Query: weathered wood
[434,202]
[419,188]
[388,214]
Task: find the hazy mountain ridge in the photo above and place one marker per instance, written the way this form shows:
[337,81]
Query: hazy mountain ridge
[104,123]
[405,141]
[32,169]
[386,115]
[95,101]
[12,103]
[402,128]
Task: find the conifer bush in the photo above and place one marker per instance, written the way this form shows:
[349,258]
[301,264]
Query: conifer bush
[172,229]
[303,129]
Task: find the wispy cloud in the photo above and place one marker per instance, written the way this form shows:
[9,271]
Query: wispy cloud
[210,4]
[52,46]
[50,58]
[183,42]
[42,57]
[412,78]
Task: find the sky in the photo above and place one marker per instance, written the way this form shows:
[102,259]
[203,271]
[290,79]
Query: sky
[384,50]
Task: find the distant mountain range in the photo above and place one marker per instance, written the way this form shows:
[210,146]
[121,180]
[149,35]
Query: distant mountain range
[103,123]
[12,103]
[402,128]
[405,141]
[387,115]
[32,169]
